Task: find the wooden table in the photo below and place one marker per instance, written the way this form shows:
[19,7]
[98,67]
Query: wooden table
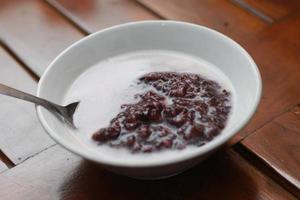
[262,162]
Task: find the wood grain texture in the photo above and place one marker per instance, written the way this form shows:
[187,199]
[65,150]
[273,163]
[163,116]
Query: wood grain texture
[21,133]
[276,9]
[35,32]
[93,15]
[221,15]
[276,51]
[58,174]
[278,145]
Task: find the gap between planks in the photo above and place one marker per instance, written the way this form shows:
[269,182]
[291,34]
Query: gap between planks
[259,163]
[15,56]
[151,10]
[72,19]
[264,168]
[242,4]
[78,23]
[6,160]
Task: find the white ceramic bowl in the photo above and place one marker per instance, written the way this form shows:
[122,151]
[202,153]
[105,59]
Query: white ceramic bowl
[195,40]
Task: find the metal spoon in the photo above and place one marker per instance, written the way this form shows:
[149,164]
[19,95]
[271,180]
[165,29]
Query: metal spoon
[65,112]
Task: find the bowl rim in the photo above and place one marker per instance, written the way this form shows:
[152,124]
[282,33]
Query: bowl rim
[210,146]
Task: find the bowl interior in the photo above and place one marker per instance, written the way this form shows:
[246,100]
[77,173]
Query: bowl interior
[191,39]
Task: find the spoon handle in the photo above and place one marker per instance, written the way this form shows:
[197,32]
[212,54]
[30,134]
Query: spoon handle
[6,90]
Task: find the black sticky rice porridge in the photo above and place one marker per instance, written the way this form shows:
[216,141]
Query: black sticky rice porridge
[151,101]
[197,112]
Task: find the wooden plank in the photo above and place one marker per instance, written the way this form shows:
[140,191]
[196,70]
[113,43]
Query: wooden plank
[21,134]
[276,9]
[95,15]
[35,32]
[221,15]
[58,174]
[278,145]
[276,51]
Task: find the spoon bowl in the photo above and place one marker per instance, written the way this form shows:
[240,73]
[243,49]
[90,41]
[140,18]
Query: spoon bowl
[62,112]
